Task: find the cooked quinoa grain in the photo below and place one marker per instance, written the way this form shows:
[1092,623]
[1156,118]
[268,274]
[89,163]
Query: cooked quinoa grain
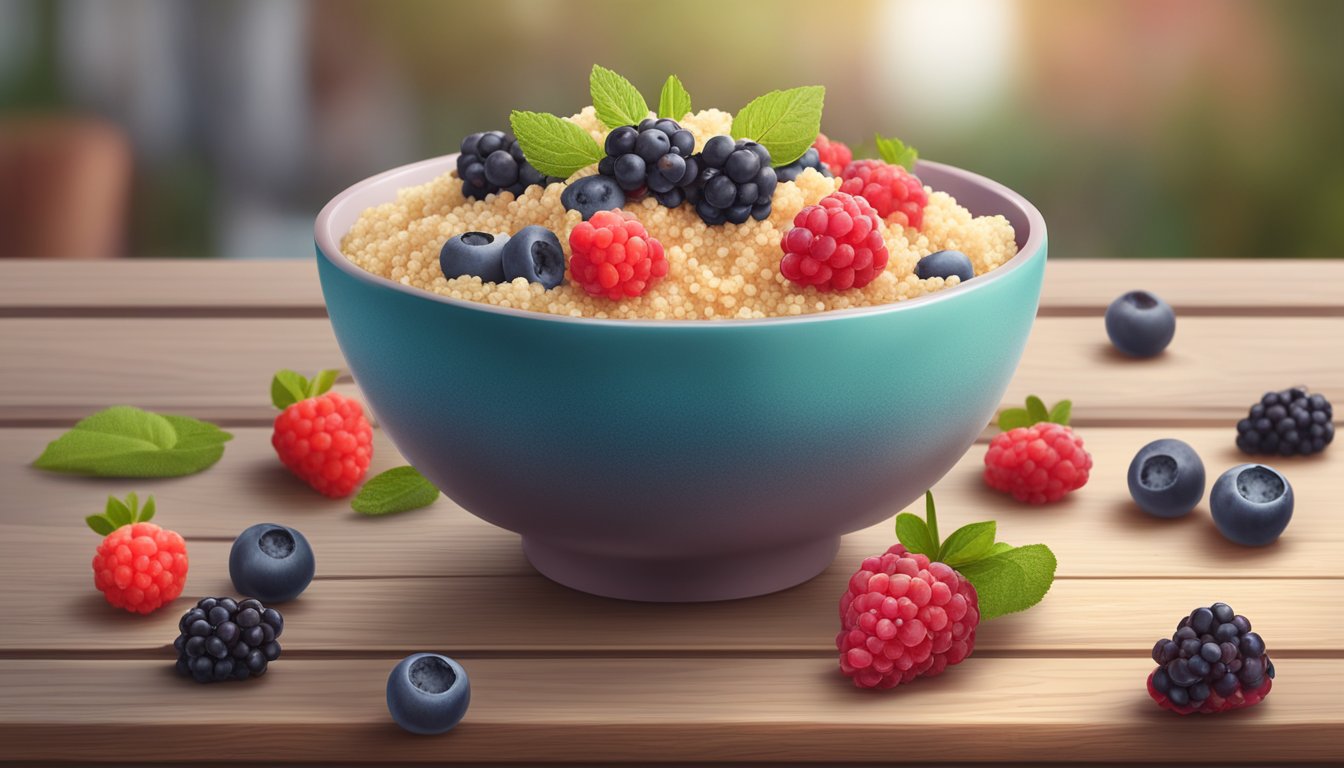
[727,271]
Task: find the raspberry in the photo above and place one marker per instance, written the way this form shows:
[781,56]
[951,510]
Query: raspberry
[834,245]
[612,255]
[903,617]
[322,438]
[894,192]
[1212,663]
[835,155]
[138,566]
[1038,459]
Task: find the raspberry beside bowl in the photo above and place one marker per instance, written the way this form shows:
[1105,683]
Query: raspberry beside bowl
[683,460]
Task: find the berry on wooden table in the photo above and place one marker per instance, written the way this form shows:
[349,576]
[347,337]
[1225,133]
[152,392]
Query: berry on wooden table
[138,566]
[1212,663]
[1287,423]
[1140,324]
[1037,459]
[226,639]
[321,436]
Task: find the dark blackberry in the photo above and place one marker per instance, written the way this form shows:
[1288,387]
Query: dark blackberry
[652,157]
[492,161]
[735,181]
[1212,663]
[1287,423]
[810,159]
[223,639]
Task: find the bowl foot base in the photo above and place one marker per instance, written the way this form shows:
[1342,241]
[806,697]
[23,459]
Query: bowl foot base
[692,580]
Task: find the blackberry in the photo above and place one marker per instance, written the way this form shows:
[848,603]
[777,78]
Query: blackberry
[223,639]
[735,181]
[1212,663]
[492,161]
[1285,423]
[652,157]
[810,159]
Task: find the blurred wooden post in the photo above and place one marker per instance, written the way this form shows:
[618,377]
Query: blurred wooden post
[64,188]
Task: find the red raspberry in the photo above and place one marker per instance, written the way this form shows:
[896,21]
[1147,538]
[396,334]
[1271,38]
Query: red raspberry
[834,245]
[322,438]
[835,155]
[894,192]
[139,566]
[1037,464]
[904,617]
[612,255]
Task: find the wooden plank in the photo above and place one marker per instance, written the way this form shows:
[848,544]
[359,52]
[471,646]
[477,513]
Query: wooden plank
[150,287]
[215,368]
[1095,532]
[593,710]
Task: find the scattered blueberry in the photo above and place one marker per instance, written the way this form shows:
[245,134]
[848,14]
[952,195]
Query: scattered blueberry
[592,194]
[271,563]
[428,693]
[735,181]
[1251,505]
[534,253]
[654,156]
[1140,324]
[1166,478]
[1290,422]
[945,264]
[492,161]
[474,253]
[810,159]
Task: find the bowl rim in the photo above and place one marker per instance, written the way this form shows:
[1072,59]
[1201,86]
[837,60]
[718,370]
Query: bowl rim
[328,245]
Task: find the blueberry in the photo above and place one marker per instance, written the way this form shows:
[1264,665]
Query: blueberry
[1140,324]
[270,562]
[717,150]
[534,253]
[1251,504]
[810,159]
[652,145]
[1252,645]
[630,171]
[1201,621]
[621,141]
[592,194]
[945,264]
[501,169]
[428,693]
[474,253]
[1198,666]
[1166,479]
[1211,652]
[1224,613]
[742,165]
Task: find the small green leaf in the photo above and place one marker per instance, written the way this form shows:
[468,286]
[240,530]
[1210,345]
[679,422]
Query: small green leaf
[674,102]
[931,519]
[1012,418]
[1012,580]
[1061,412]
[321,383]
[118,514]
[914,534]
[893,150]
[967,544]
[133,504]
[127,442]
[100,524]
[784,122]
[395,490]
[1036,410]
[553,146]
[147,511]
[288,388]
[616,100]
[999,548]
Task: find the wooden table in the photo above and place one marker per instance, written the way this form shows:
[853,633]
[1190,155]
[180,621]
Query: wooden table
[560,676]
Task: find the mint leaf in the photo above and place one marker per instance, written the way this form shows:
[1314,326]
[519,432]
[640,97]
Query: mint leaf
[1036,410]
[998,548]
[288,388]
[784,122]
[100,524]
[553,146]
[122,441]
[118,514]
[321,383]
[1061,412]
[617,101]
[931,519]
[674,102]
[967,544]
[146,512]
[914,534]
[1012,418]
[893,150]
[395,490]
[1012,580]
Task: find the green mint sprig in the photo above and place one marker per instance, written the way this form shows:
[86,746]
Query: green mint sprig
[1035,413]
[784,122]
[617,101]
[123,441]
[1007,579]
[396,490]
[674,102]
[554,146]
[893,150]
[121,513]
[288,387]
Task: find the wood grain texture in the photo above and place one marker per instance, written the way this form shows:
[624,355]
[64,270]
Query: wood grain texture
[594,710]
[1096,532]
[156,286]
[222,367]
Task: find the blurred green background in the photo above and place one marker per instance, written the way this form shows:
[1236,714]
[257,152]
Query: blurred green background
[1204,128]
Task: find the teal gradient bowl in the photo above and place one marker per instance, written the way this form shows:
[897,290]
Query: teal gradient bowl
[682,460]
